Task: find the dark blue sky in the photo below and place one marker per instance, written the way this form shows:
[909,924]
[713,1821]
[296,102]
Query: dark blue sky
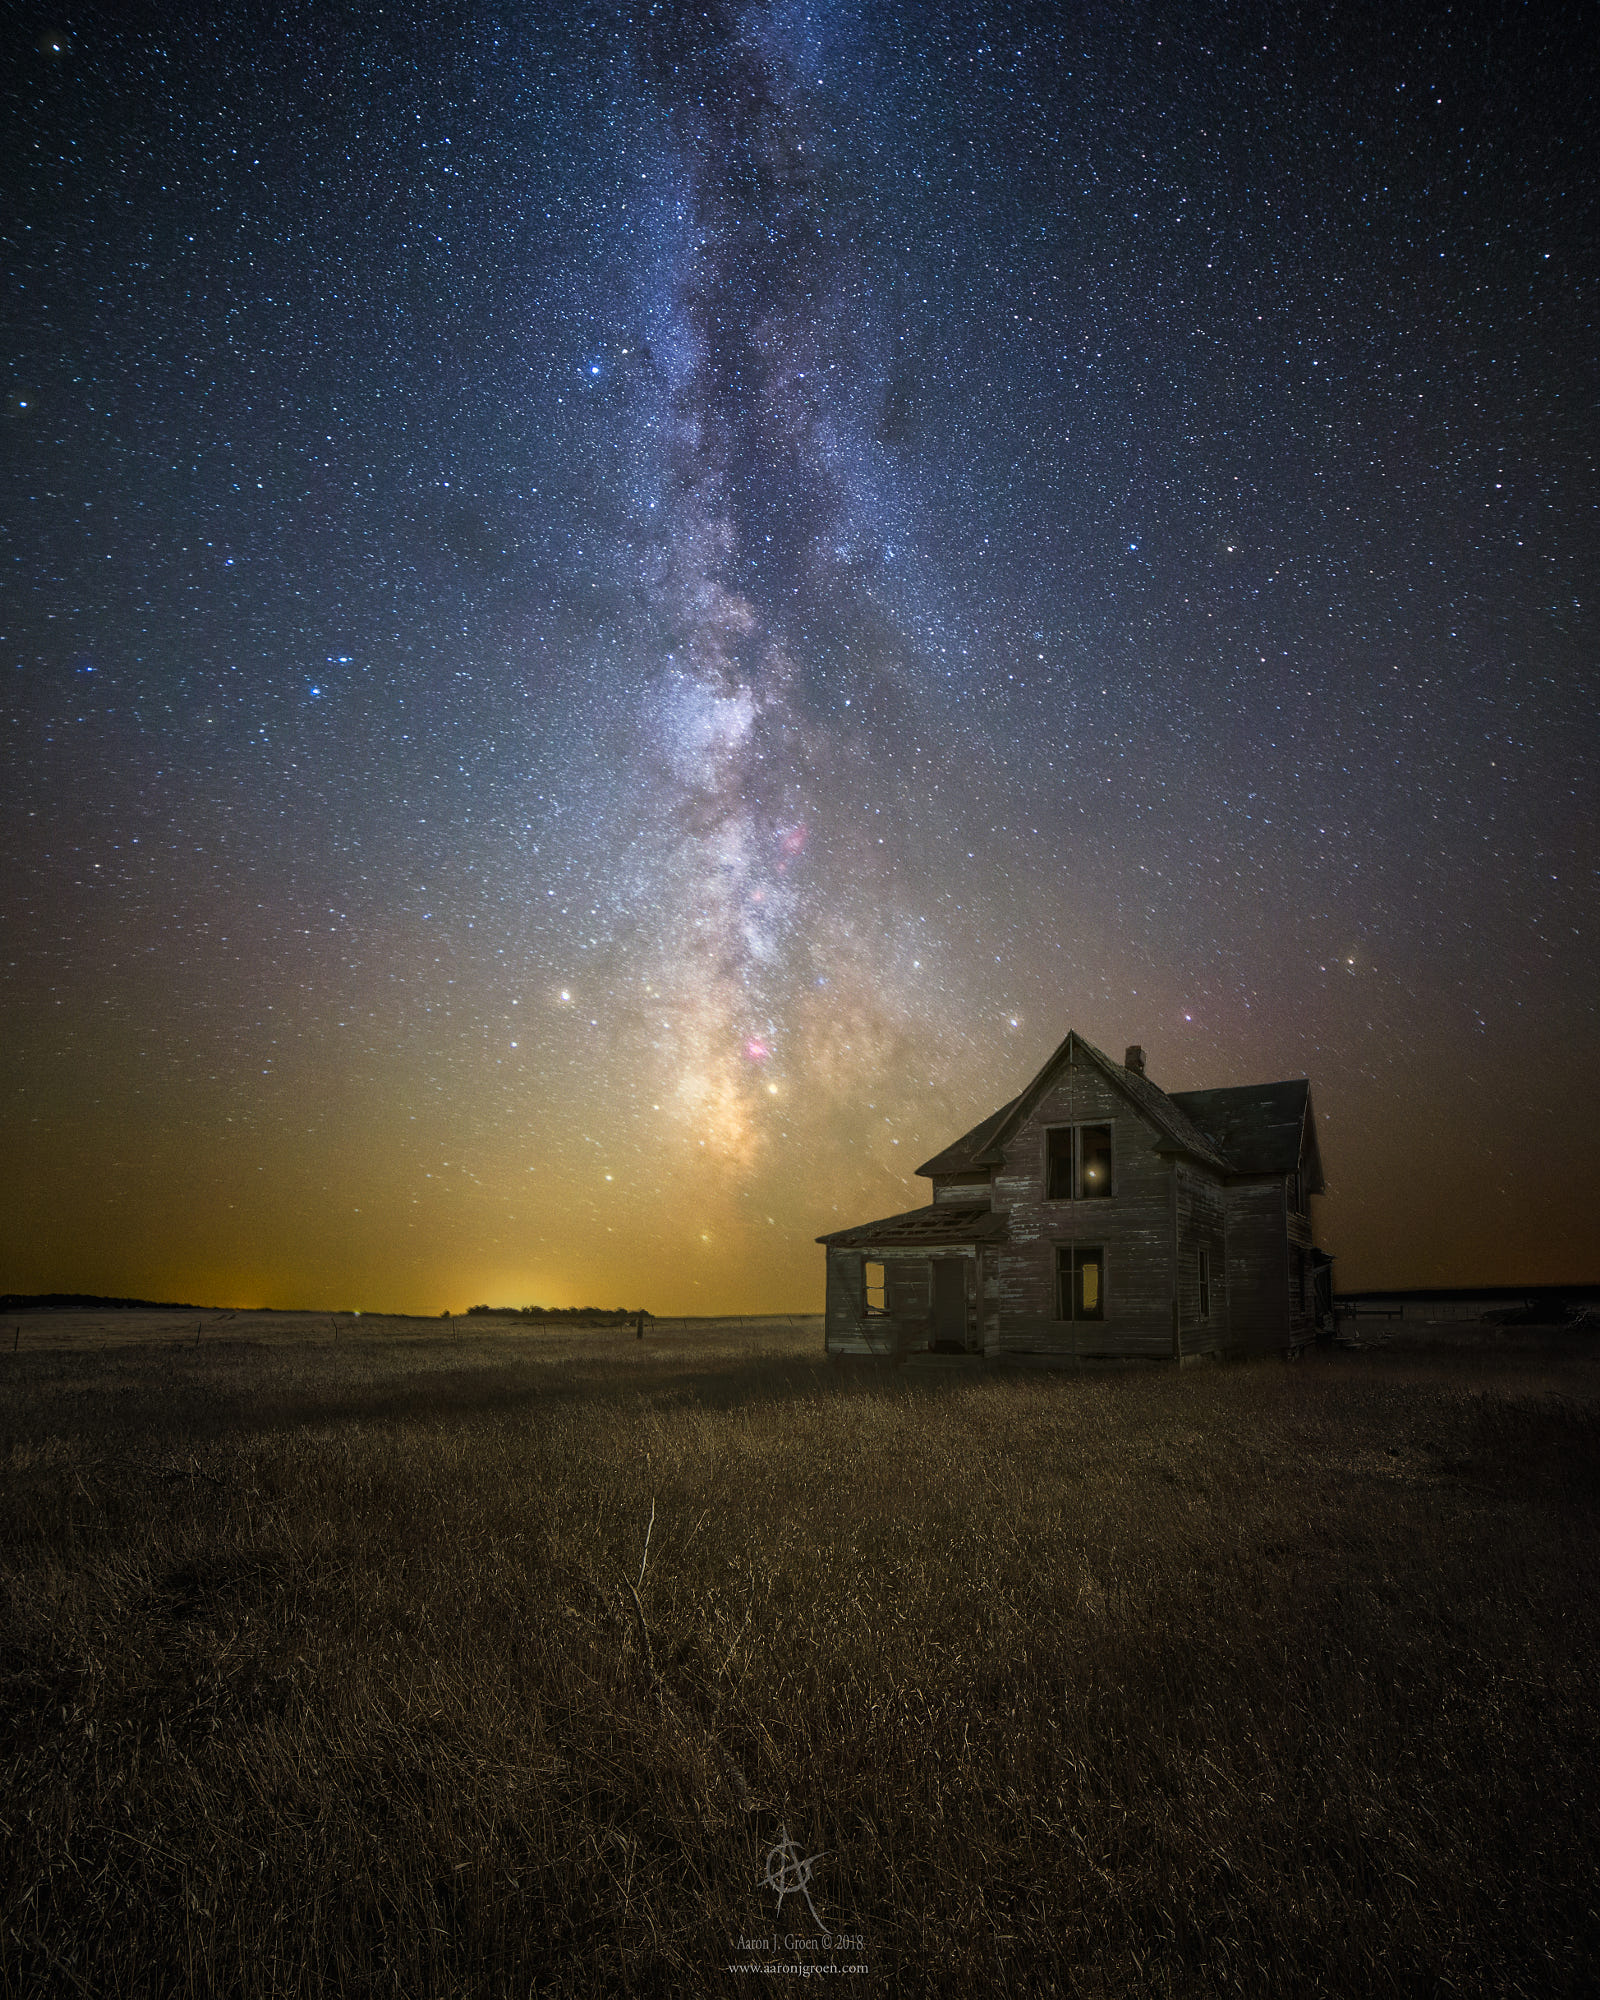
[616,618]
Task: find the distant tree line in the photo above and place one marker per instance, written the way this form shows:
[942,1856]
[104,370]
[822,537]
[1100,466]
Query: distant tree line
[89,1302]
[616,1314]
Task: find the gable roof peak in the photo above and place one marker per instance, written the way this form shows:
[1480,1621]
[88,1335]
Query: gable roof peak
[984,1145]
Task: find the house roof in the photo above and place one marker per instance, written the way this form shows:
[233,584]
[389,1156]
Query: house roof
[1253,1128]
[942,1222]
[985,1144]
[1259,1126]
[1175,1124]
[965,1152]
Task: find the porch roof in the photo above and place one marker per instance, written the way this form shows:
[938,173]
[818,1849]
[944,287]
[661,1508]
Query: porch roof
[944,1222]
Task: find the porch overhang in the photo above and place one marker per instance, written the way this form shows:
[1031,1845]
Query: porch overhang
[942,1224]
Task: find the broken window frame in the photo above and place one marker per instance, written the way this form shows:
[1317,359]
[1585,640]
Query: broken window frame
[878,1309]
[1072,1260]
[1204,1275]
[1071,1156]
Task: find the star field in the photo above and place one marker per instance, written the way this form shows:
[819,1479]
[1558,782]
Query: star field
[616,618]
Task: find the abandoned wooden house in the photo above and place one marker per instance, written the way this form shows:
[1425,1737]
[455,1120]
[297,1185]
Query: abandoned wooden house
[1097,1217]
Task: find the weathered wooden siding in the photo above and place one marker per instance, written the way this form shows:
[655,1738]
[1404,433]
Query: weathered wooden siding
[1298,1241]
[989,1299]
[1202,1225]
[960,1187]
[1258,1282]
[906,1325]
[1134,1224]
[844,1305]
[908,1295]
[1301,1234]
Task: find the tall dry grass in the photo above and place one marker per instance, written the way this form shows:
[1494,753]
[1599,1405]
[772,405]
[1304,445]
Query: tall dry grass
[332,1669]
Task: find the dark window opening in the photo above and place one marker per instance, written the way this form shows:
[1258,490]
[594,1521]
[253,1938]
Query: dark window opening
[1077,1162]
[1205,1284]
[1094,1161]
[1080,1281]
[1058,1164]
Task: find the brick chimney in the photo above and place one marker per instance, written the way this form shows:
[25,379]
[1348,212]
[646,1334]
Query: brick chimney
[1134,1060]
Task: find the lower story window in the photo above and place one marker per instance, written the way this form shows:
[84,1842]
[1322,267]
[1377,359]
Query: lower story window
[873,1276]
[1080,1281]
[1205,1284]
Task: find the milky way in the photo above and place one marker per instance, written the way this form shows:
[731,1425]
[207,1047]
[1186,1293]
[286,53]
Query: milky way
[616,621]
[769,487]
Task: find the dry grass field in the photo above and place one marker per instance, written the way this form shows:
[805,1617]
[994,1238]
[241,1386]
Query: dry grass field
[339,1666]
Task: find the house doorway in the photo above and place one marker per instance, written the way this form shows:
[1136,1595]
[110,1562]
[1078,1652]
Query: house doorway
[949,1305]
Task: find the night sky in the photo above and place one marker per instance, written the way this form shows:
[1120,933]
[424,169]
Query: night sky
[616,618]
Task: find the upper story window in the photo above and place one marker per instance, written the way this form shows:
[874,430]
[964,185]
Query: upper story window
[1077,1162]
[1297,1192]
